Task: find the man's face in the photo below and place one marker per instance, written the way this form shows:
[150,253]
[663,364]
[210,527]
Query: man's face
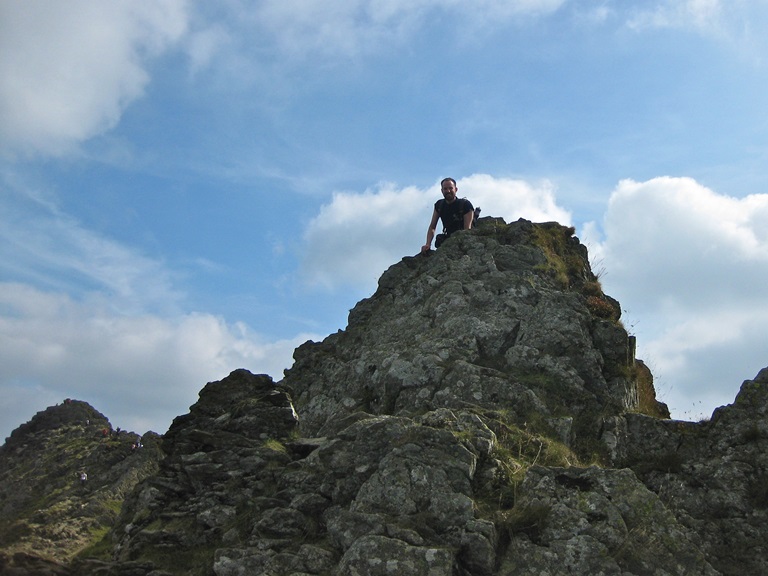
[449,190]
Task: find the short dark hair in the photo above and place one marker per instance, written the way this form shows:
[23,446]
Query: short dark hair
[447,179]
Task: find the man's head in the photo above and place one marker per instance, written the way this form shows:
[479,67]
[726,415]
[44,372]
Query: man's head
[449,189]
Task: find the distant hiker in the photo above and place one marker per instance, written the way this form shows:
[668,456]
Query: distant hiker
[455,214]
[83,478]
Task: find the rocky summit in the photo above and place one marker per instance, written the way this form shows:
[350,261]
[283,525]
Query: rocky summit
[63,477]
[483,414]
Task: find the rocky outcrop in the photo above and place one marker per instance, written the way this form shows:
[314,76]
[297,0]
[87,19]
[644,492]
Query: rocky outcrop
[713,474]
[47,512]
[225,459]
[481,415]
[507,316]
[412,428]
[596,521]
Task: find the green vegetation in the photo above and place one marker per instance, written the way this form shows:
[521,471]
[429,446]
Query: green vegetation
[113,505]
[592,288]
[601,308]
[100,546]
[275,446]
[567,266]
[517,449]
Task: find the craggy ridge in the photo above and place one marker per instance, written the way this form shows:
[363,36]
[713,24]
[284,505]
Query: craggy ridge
[483,414]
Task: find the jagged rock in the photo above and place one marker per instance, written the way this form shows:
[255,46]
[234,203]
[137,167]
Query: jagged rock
[482,415]
[24,564]
[712,474]
[500,317]
[595,521]
[379,555]
[47,514]
[223,458]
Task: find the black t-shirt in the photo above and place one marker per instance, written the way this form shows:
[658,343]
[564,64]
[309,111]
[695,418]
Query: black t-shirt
[452,214]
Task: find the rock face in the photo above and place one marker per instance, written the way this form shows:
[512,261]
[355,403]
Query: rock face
[225,460]
[713,475]
[482,415]
[507,317]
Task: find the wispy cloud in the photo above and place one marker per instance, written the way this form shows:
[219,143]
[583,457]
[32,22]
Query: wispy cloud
[351,29]
[91,318]
[704,15]
[41,243]
[736,22]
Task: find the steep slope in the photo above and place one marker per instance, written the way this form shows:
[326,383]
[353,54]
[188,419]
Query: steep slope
[47,513]
[509,316]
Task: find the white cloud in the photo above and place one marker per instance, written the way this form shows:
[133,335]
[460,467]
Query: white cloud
[679,341]
[203,45]
[739,23]
[691,266]
[594,14]
[357,236]
[693,235]
[512,199]
[69,69]
[351,27]
[140,371]
[103,323]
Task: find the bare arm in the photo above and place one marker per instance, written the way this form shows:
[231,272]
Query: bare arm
[431,231]
[468,217]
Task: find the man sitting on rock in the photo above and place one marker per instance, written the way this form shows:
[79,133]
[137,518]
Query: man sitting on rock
[455,213]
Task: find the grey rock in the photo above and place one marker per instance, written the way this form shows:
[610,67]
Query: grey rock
[712,474]
[379,555]
[597,521]
[463,327]
[482,414]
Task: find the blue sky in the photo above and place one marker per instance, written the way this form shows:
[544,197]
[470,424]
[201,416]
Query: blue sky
[187,188]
